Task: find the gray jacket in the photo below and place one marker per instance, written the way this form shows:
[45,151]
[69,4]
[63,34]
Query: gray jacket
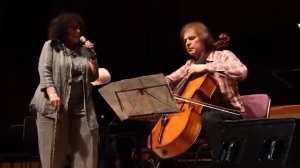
[55,71]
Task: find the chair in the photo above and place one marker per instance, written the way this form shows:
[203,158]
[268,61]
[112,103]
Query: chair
[256,105]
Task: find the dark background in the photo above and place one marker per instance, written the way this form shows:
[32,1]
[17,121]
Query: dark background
[135,38]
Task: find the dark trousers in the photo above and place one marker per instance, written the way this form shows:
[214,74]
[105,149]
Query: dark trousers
[212,126]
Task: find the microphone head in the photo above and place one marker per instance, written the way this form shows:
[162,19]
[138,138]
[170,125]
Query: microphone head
[82,39]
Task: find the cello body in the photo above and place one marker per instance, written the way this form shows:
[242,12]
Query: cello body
[183,127]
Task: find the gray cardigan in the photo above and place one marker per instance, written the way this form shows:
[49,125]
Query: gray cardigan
[55,71]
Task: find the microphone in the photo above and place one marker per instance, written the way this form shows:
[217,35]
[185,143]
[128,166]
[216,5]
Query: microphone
[84,40]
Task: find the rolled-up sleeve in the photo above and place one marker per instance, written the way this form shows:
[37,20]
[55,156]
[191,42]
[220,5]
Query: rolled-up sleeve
[93,74]
[45,67]
[174,78]
[231,66]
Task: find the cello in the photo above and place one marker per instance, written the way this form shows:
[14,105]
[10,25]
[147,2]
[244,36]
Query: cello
[175,133]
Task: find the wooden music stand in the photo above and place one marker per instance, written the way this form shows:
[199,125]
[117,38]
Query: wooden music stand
[140,98]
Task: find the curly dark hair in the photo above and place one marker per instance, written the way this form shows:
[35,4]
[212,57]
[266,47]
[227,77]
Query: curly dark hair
[60,24]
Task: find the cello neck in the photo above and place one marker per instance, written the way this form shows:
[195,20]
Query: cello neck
[221,43]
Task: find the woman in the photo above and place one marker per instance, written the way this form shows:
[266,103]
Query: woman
[66,119]
[223,66]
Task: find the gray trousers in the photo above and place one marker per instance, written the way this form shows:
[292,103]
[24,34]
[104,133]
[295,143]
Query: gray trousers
[69,135]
